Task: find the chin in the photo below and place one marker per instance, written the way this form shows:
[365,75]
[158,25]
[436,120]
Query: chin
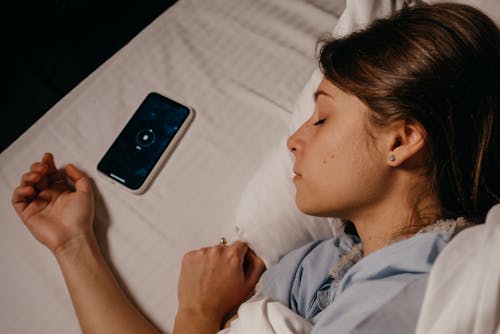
[312,210]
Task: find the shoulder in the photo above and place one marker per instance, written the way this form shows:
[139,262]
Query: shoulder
[385,288]
[314,259]
[386,305]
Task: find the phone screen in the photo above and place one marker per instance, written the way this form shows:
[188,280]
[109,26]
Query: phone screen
[141,143]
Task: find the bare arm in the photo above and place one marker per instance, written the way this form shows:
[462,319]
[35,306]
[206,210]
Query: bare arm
[62,219]
[99,302]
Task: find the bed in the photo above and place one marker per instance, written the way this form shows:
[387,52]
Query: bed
[241,65]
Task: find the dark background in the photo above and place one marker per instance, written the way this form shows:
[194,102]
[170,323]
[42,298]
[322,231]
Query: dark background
[49,46]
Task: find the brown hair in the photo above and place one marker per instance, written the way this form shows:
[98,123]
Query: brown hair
[438,65]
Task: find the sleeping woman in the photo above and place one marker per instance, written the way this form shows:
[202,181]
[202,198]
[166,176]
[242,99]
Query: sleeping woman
[403,145]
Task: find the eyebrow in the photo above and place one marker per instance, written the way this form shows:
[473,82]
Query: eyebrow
[321,92]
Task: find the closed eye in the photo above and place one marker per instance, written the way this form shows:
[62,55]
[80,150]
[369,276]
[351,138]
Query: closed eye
[321,121]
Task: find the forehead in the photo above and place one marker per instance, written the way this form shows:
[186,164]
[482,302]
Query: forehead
[339,97]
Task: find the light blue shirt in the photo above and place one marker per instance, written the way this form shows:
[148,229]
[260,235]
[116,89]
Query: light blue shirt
[380,293]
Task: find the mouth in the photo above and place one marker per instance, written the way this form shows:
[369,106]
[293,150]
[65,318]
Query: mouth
[297,174]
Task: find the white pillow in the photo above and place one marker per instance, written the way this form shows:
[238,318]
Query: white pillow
[267,217]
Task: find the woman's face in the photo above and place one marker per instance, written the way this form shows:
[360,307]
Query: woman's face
[339,169]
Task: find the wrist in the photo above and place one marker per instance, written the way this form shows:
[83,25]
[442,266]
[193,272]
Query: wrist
[74,246]
[190,320]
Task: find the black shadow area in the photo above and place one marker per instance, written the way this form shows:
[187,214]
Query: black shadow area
[49,46]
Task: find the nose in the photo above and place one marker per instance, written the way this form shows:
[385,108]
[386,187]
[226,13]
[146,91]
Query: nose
[295,143]
[291,143]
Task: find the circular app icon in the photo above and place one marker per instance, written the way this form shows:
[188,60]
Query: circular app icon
[145,137]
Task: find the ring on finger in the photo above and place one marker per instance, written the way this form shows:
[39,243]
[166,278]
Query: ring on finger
[223,241]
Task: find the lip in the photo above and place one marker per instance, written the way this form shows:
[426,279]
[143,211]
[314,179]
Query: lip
[297,175]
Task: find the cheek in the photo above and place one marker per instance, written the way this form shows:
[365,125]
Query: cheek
[341,175]
[321,191]
[339,155]
[327,158]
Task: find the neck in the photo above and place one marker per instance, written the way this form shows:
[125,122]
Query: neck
[392,217]
[377,231]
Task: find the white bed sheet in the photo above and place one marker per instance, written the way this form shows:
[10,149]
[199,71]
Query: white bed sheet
[240,64]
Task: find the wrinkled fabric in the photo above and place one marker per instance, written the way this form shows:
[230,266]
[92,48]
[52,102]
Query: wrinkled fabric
[263,315]
[463,295]
[382,290]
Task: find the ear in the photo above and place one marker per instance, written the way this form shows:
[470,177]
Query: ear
[406,140]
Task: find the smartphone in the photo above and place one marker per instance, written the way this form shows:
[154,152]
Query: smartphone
[145,142]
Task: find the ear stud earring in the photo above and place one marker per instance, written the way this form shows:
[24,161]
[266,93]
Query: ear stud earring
[392,157]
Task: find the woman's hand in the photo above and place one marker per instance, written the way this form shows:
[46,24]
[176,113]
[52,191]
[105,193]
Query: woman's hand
[54,213]
[61,218]
[215,281]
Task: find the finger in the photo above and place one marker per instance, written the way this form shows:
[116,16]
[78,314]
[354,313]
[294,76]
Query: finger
[240,247]
[43,183]
[48,159]
[79,178]
[255,267]
[20,197]
[30,178]
[39,167]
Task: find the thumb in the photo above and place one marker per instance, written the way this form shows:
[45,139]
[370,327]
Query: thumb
[79,178]
[254,268]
